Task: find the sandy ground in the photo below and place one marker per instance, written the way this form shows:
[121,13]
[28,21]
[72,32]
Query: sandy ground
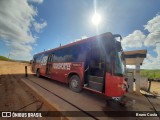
[14,95]
[13,67]
[155,87]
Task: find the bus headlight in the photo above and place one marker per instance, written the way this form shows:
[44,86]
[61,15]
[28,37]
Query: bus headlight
[122,86]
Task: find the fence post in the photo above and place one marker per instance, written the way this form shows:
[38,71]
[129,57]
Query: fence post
[26,74]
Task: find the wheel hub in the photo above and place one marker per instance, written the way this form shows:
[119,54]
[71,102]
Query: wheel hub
[74,83]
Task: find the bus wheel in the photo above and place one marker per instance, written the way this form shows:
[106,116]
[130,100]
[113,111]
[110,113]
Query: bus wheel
[38,73]
[74,83]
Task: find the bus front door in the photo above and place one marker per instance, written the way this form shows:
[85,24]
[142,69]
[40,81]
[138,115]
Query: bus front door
[49,66]
[96,72]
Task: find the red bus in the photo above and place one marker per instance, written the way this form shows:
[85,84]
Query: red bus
[95,64]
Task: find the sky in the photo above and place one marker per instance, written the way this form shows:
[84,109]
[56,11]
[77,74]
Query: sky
[28,27]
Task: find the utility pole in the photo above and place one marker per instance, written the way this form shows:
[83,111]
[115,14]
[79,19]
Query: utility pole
[9,55]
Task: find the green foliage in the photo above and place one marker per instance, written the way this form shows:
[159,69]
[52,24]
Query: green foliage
[23,61]
[5,59]
[152,74]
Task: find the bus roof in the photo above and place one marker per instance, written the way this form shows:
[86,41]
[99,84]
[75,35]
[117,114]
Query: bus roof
[107,34]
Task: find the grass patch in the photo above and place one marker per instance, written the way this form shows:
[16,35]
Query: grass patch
[24,61]
[151,74]
[5,58]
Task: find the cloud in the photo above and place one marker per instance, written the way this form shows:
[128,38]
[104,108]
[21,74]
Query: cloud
[39,26]
[21,50]
[153,26]
[36,1]
[158,50]
[138,39]
[134,39]
[151,62]
[16,22]
[152,38]
[82,38]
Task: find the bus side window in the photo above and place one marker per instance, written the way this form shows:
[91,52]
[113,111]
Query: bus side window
[34,60]
[52,57]
[48,58]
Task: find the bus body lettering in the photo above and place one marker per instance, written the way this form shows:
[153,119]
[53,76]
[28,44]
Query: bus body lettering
[62,66]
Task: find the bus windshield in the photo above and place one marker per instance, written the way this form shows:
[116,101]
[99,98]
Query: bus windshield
[119,63]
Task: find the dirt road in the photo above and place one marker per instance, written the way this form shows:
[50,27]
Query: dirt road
[155,87]
[12,67]
[14,95]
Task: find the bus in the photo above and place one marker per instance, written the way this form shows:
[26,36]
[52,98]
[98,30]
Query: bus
[96,63]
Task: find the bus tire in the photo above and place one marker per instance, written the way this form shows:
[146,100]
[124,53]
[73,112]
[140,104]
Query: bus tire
[38,73]
[75,83]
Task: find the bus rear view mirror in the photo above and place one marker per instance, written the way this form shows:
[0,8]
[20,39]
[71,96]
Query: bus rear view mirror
[118,46]
[117,35]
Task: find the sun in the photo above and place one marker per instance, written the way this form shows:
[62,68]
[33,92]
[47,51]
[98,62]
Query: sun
[96,19]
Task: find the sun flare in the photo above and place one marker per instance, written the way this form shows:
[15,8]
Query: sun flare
[96,19]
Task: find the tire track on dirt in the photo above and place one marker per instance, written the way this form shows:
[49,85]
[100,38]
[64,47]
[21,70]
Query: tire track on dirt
[16,94]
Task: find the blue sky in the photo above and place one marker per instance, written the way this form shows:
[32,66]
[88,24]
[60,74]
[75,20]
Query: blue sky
[44,24]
